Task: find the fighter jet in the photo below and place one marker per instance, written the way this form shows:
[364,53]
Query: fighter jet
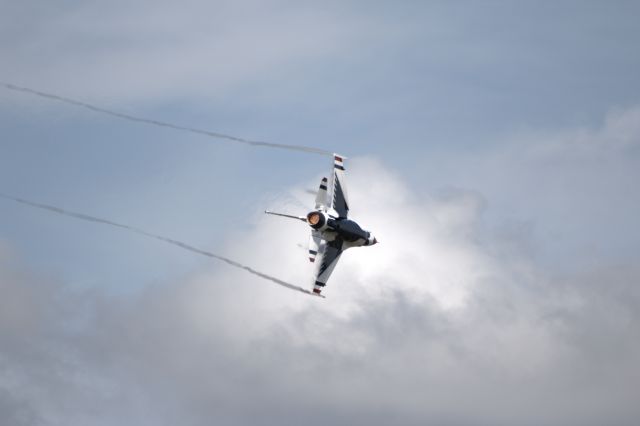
[332,232]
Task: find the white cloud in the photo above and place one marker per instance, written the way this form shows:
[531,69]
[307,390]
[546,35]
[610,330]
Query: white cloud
[438,322]
[445,321]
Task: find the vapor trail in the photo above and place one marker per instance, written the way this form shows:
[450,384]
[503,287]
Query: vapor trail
[177,243]
[163,123]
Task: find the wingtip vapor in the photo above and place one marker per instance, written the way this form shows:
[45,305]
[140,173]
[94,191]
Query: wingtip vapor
[332,231]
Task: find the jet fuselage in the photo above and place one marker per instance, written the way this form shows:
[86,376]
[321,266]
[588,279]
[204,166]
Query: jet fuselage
[347,229]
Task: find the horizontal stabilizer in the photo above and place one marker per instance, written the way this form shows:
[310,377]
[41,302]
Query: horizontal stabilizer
[321,196]
[314,244]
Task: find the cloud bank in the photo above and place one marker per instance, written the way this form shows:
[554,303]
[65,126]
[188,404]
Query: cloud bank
[443,322]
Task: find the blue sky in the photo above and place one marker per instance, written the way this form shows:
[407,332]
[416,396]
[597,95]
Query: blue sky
[514,127]
[421,85]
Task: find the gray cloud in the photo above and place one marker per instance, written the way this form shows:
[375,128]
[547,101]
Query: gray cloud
[204,49]
[453,319]
[442,322]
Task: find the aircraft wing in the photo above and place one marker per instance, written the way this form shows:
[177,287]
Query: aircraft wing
[339,198]
[328,254]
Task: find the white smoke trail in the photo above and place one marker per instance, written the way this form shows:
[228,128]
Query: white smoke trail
[177,243]
[117,114]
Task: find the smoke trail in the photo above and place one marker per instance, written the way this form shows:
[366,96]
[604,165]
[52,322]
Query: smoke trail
[177,243]
[164,124]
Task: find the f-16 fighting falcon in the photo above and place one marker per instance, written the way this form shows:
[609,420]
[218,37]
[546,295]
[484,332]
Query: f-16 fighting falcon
[332,232]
